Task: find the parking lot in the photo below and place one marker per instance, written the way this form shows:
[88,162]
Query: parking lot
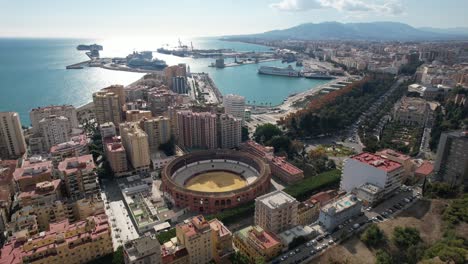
[388,209]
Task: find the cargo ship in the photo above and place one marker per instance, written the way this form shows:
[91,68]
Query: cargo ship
[287,71]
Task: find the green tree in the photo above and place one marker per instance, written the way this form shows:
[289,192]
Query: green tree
[245,133]
[404,237]
[239,258]
[373,236]
[280,144]
[382,257]
[266,131]
[118,257]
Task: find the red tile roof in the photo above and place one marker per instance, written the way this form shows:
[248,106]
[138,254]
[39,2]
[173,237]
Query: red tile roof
[74,164]
[7,168]
[286,166]
[392,153]
[425,169]
[377,161]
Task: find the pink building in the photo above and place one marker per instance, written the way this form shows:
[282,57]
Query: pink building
[79,242]
[79,174]
[278,165]
[78,145]
[116,156]
[41,193]
[33,171]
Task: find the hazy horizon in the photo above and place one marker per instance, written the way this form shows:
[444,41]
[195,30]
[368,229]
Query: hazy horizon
[188,18]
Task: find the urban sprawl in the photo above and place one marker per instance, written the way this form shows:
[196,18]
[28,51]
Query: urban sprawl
[169,170]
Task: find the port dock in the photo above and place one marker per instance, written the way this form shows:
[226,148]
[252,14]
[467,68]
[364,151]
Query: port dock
[79,65]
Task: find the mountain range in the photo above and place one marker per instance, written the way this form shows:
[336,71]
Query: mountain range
[377,31]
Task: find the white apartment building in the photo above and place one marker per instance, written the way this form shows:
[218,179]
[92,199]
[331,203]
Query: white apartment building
[234,105]
[230,131]
[55,130]
[367,168]
[37,114]
[335,213]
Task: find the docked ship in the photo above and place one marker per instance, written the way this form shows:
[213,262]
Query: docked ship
[287,71]
[89,47]
[318,75]
[145,60]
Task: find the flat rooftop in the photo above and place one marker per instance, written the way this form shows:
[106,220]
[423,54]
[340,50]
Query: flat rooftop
[377,161]
[341,204]
[276,199]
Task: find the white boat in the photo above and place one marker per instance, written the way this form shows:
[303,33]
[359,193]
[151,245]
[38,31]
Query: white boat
[288,71]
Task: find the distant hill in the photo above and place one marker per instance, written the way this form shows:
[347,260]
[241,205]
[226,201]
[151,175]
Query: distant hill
[379,31]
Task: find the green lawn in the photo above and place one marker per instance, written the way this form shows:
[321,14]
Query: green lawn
[310,185]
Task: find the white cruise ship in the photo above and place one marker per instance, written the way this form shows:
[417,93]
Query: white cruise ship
[288,71]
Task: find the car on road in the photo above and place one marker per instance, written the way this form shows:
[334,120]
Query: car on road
[380,218]
[297,250]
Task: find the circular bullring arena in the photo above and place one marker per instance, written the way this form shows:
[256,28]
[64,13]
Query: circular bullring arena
[214,180]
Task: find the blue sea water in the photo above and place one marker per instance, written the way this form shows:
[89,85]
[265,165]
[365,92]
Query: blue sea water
[32,72]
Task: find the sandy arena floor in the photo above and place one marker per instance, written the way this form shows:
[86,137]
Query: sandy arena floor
[216,181]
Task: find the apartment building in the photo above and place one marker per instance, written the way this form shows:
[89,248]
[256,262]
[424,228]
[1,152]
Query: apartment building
[79,176]
[135,142]
[451,165]
[143,250]
[12,143]
[76,243]
[276,211]
[338,211]
[367,168]
[257,244]
[234,105]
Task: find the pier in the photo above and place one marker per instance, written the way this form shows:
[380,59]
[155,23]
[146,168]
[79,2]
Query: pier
[79,65]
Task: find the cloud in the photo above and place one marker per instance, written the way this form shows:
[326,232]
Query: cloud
[297,5]
[393,7]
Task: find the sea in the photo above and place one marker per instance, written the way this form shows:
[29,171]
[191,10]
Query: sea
[33,74]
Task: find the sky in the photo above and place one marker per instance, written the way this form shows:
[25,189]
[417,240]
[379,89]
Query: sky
[117,18]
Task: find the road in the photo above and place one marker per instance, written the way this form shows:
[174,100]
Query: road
[303,254]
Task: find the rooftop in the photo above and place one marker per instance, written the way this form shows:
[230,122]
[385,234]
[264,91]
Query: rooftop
[341,204]
[197,224]
[71,165]
[323,197]
[20,247]
[31,169]
[219,227]
[255,234]
[390,153]
[286,166]
[76,141]
[276,199]
[376,161]
[7,168]
[42,188]
[425,169]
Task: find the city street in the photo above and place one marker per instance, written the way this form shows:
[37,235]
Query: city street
[320,243]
